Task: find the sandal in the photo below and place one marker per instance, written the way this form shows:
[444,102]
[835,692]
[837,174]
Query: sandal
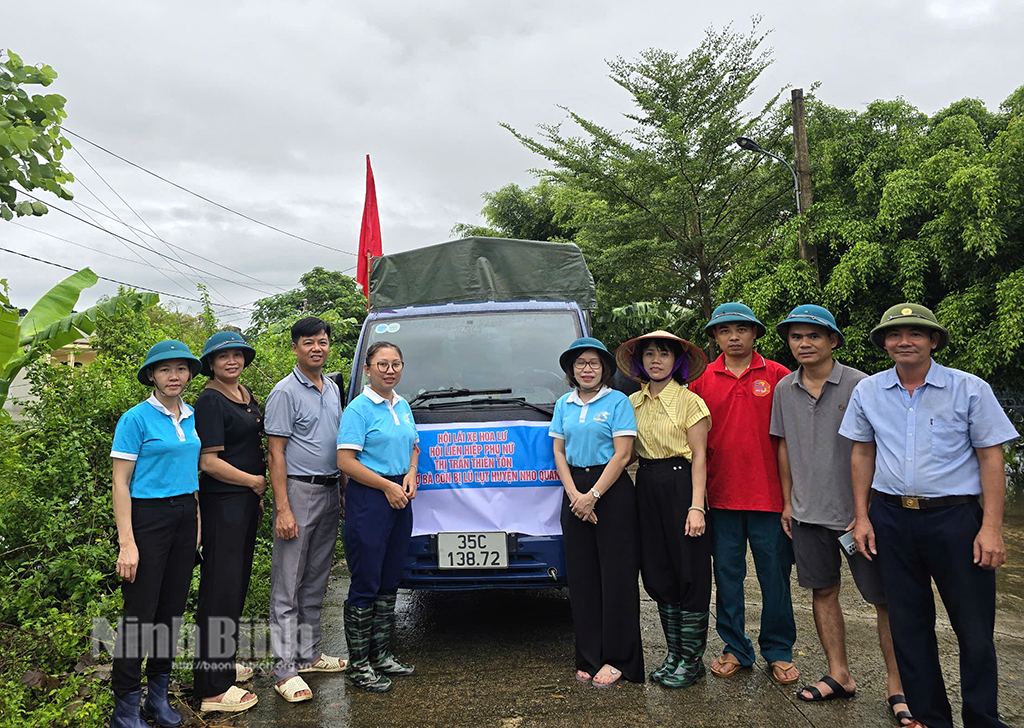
[326,663]
[894,700]
[838,692]
[732,665]
[243,673]
[290,687]
[583,676]
[232,702]
[615,673]
[781,666]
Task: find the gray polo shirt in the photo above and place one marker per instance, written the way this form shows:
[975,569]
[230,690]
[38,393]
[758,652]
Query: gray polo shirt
[819,458]
[309,418]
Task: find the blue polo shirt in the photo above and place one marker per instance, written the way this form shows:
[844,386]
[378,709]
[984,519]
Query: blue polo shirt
[383,432]
[165,450]
[925,443]
[588,427]
[309,418]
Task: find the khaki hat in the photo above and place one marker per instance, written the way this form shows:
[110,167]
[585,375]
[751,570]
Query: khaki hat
[629,363]
[908,314]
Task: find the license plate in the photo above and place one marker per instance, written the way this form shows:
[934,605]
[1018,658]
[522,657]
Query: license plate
[481,550]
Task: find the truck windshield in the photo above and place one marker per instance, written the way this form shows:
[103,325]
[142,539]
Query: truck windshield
[504,350]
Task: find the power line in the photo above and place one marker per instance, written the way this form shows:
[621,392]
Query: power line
[213,289]
[132,242]
[120,283]
[186,250]
[205,199]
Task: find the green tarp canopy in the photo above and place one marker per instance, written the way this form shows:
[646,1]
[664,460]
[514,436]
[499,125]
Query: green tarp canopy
[482,269]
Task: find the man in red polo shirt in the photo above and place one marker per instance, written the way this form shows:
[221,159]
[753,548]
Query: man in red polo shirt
[745,496]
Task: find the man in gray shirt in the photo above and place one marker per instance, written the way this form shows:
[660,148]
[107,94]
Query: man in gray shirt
[302,418]
[814,469]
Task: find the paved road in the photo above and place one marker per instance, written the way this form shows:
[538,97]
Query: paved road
[505,659]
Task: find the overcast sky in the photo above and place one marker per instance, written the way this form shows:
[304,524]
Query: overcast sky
[269,107]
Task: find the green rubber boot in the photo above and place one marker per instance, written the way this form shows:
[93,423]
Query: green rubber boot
[670,615]
[693,637]
[358,624]
[381,658]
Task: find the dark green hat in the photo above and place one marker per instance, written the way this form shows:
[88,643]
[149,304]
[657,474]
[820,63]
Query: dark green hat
[221,341]
[164,350]
[577,347]
[810,314]
[908,314]
[734,312]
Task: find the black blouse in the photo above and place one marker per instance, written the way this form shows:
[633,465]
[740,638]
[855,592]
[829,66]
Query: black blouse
[238,428]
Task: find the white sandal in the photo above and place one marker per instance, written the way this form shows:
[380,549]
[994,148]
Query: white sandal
[326,663]
[290,687]
[243,673]
[231,702]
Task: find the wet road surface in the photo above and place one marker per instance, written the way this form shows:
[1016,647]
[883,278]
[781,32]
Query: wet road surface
[500,658]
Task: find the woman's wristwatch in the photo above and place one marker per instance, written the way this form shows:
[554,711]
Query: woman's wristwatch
[596,493]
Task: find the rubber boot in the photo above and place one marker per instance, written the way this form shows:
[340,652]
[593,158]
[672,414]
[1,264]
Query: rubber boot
[358,624]
[126,711]
[693,634]
[381,658]
[157,708]
[669,614]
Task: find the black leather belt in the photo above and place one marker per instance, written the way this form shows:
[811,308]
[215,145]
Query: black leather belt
[317,479]
[918,503]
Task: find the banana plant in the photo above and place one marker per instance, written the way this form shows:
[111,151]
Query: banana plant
[52,322]
[649,315]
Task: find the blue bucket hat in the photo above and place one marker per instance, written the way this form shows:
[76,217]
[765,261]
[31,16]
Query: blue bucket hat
[164,350]
[810,314]
[734,312]
[579,346]
[221,341]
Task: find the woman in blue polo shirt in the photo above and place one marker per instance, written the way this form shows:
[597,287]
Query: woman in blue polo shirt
[377,451]
[155,472]
[593,429]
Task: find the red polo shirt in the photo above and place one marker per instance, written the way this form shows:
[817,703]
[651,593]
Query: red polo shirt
[743,470]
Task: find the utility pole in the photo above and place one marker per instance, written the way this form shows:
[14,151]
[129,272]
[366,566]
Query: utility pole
[802,164]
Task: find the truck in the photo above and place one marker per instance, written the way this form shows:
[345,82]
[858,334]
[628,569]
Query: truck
[481,323]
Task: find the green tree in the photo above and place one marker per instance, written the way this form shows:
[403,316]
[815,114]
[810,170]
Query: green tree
[52,323]
[512,212]
[913,208]
[31,143]
[320,291]
[663,207]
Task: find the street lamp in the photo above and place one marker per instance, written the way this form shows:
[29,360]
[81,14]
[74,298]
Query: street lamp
[751,146]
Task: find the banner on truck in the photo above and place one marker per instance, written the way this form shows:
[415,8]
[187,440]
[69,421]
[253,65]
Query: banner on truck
[487,476]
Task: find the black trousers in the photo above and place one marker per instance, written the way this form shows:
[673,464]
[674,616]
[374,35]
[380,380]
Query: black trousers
[165,535]
[602,564]
[676,568]
[230,521]
[915,547]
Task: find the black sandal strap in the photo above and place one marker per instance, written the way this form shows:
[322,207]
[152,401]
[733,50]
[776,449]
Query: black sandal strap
[837,689]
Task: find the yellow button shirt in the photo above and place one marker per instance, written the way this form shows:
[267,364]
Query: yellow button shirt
[662,421]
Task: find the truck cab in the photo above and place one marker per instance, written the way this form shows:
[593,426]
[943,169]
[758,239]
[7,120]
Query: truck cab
[482,378]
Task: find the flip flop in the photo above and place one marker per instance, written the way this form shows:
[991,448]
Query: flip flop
[782,665]
[728,659]
[231,702]
[895,700]
[243,673]
[602,685]
[583,677]
[290,687]
[838,692]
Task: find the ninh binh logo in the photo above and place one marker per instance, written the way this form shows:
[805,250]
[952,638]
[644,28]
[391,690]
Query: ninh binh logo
[761,388]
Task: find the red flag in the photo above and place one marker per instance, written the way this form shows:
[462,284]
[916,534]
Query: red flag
[369,234]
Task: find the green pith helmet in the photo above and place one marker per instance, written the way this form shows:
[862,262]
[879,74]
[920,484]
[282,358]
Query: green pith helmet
[219,342]
[164,350]
[908,314]
[734,312]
